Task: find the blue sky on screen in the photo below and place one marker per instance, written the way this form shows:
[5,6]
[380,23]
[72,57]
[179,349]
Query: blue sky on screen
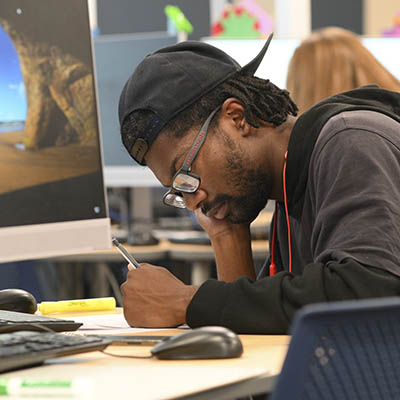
[12,90]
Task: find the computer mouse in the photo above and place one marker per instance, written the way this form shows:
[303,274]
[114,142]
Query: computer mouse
[207,342]
[17,300]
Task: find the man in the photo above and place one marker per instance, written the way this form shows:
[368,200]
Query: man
[225,142]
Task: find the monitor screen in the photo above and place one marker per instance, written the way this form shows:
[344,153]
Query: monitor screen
[276,63]
[386,50]
[52,196]
[116,57]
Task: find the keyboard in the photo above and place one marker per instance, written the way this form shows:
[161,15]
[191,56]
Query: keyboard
[30,348]
[11,321]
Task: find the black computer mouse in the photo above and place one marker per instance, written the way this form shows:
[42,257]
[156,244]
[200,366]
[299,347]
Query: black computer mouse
[200,343]
[17,300]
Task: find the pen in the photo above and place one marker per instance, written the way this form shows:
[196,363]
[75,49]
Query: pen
[128,257]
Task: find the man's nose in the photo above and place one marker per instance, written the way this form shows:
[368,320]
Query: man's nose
[193,200]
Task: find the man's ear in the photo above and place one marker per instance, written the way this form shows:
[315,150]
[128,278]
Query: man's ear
[233,110]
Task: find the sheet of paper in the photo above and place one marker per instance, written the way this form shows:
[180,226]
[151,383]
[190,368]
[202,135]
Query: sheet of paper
[103,321]
[113,332]
[108,324]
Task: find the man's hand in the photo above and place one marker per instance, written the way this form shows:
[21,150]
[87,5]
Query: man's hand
[155,298]
[216,227]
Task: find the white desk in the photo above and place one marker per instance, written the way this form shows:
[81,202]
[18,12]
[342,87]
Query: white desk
[151,379]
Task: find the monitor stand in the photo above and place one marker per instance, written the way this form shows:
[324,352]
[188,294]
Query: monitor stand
[141,238]
[141,233]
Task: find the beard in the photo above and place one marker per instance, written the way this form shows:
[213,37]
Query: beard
[245,208]
[253,188]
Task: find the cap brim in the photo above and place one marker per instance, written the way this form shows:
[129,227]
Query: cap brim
[251,68]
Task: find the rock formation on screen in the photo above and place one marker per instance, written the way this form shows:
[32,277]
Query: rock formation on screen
[59,87]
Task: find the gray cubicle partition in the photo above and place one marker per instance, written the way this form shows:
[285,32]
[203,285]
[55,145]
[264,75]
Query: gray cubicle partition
[116,56]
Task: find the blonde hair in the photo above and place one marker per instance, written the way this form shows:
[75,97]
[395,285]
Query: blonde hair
[332,60]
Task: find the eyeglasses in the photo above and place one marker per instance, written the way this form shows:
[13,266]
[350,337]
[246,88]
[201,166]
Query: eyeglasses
[185,181]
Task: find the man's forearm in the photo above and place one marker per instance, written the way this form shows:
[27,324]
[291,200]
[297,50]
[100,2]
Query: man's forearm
[267,306]
[233,254]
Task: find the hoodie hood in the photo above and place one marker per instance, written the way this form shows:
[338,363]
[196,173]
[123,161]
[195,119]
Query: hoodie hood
[309,125]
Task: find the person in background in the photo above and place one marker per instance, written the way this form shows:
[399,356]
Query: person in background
[333,60]
[223,143]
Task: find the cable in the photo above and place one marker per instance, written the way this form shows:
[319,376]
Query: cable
[123,356]
[32,326]
[287,215]
[272,267]
[112,282]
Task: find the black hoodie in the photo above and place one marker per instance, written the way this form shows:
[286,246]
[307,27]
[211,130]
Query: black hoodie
[343,191]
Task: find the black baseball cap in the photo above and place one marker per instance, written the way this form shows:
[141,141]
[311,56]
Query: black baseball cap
[171,79]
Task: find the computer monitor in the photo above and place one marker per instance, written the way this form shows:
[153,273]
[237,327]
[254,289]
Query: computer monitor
[52,196]
[116,56]
[385,49]
[276,63]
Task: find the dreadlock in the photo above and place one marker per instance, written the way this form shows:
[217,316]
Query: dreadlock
[262,100]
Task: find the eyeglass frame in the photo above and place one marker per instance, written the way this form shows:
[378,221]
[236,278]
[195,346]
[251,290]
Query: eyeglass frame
[189,160]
